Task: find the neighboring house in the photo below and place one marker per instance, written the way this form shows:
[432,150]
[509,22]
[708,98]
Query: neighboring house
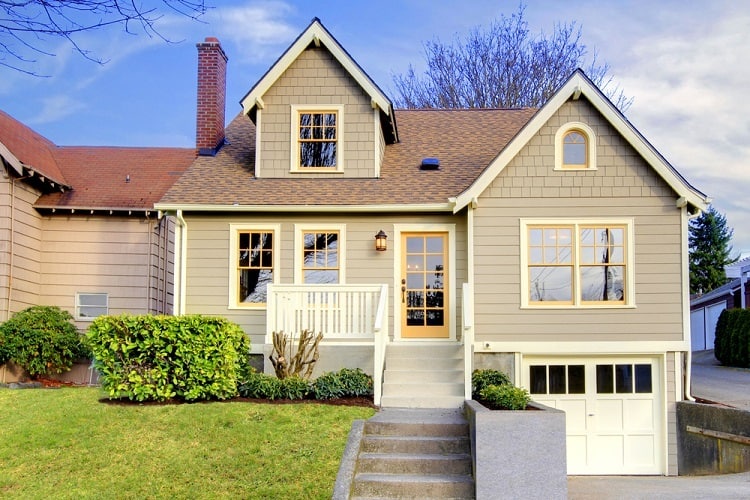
[549,242]
[79,228]
[705,309]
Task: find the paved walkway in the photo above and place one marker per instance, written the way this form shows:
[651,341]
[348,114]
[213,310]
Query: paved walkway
[722,384]
[710,381]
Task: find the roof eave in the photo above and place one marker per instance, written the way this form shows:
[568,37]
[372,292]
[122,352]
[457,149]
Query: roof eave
[393,207]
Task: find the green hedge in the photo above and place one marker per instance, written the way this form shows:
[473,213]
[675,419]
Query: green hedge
[344,383]
[732,344]
[156,358]
[42,340]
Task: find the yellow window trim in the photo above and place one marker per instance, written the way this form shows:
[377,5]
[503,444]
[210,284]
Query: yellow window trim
[590,138]
[234,232]
[296,110]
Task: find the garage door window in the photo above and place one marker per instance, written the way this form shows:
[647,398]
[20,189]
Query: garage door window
[624,379]
[557,379]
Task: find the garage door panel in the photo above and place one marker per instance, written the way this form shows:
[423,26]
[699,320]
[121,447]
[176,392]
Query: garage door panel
[640,415]
[609,415]
[577,454]
[575,414]
[607,452]
[640,450]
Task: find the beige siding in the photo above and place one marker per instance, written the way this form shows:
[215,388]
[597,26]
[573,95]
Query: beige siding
[208,265]
[316,78]
[107,254]
[20,237]
[623,186]
[672,397]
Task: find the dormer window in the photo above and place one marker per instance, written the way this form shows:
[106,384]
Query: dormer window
[317,143]
[575,147]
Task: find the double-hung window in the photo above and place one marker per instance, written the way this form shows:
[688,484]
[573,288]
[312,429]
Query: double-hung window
[316,142]
[254,261]
[577,263]
[320,254]
[91,305]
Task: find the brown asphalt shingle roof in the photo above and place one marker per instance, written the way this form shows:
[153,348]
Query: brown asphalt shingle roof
[465,141]
[96,175]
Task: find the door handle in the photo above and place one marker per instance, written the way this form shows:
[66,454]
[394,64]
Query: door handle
[403,291]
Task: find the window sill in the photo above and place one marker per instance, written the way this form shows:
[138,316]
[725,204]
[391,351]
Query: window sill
[574,169]
[317,170]
[577,307]
[248,307]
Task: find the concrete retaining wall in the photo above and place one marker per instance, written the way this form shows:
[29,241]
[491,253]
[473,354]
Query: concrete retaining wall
[712,439]
[80,374]
[518,454]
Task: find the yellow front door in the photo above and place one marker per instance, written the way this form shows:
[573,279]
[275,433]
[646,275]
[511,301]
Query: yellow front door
[424,285]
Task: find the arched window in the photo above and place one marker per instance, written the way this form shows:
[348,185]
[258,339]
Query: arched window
[575,147]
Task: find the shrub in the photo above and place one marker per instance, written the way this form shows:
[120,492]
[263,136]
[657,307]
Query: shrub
[344,383]
[41,339]
[155,358]
[505,397]
[483,378]
[732,343]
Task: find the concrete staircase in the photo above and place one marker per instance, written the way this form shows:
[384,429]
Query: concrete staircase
[414,453]
[421,375]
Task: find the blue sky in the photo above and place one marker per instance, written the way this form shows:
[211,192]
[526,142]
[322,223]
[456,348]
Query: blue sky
[687,65]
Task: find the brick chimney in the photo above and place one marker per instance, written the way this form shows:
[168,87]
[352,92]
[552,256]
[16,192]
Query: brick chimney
[212,85]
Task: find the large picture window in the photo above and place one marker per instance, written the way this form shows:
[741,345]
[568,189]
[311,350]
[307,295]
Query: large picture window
[577,264]
[254,261]
[317,139]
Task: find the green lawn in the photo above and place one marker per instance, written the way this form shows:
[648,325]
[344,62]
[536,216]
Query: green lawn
[65,443]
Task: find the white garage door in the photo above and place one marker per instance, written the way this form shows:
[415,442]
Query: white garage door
[613,410]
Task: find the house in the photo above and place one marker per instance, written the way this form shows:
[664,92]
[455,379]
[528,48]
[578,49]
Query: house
[550,243]
[79,229]
[705,309]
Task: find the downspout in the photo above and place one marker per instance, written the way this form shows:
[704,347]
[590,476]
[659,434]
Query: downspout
[181,265]
[149,254]
[11,244]
[689,357]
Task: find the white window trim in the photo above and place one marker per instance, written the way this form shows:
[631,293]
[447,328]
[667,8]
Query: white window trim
[299,245]
[78,305]
[234,230]
[294,138]
[629,262]
[590,143]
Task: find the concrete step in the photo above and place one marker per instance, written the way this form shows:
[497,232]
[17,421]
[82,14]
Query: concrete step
[372,485]
[430,350]
[414,463]
[388,401]
[422,364]
[419,428]
[423,376]
[431,389]
[410,445]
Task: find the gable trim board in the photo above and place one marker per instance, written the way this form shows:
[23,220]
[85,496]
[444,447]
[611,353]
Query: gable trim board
[317,34]
[579,85]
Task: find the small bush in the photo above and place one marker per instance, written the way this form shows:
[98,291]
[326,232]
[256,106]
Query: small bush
[483,378]
[155,358]
[42,340]
[505,397]
[732,343]
[344,383]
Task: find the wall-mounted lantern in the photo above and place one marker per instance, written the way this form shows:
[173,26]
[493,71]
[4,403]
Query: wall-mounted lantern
[380,241]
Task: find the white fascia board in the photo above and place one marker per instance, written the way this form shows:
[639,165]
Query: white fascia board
[426,207]
[318,34]
[579,84]
[587,348]
[11,159]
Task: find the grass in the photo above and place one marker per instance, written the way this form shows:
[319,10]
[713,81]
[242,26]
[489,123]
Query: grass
[65,443]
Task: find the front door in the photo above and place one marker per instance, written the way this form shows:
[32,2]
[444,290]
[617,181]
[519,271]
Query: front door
[424,285]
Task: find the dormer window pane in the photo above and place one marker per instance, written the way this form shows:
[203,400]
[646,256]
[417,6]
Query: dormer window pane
[574,149]
[318,139]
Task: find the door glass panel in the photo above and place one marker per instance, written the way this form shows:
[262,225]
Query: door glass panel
[415,281]
[435,263]
[414,263]
[435,317]
[425,280]
[414,298]
[557,379]
[415,245]
[624,378]
[643,379]
[538,379]
[434,244]
[415,317]
[576,379]
[604,379]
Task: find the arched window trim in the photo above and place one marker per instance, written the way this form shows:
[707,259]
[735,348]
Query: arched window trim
[590,137]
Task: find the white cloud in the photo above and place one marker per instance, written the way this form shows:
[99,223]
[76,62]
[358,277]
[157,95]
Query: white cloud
[257,28]
[55,108]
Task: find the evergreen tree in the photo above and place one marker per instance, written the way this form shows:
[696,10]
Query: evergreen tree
[710,251]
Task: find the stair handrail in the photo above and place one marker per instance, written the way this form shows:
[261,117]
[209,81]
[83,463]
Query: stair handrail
[467,334]
[379,342]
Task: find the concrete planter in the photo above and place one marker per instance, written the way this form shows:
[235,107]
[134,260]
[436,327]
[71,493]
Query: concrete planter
[518,454]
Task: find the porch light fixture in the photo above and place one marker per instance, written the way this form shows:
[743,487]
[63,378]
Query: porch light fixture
[380,241]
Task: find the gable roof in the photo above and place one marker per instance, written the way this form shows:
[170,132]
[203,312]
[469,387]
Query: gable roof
[116,178]
[465,141]
[317,34]
[576,86]
[27,152]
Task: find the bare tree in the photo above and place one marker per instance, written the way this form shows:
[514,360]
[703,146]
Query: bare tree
[503,66]
[27,26]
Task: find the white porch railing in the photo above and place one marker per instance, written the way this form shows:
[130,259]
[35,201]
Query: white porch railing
[467,335]
[339,312]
